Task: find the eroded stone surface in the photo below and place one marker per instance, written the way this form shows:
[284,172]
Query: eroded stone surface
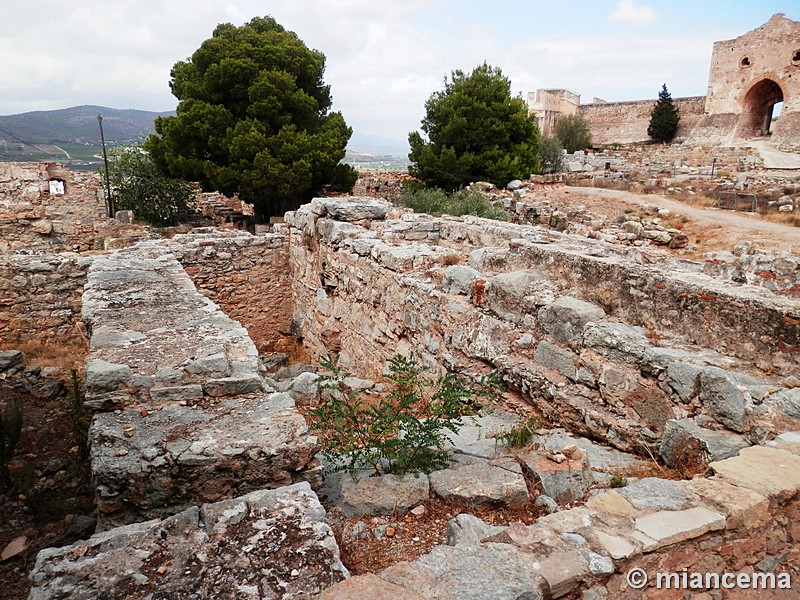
[267,544]
[148,464]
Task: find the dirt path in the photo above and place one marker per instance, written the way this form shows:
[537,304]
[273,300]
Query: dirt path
[774,159]
[710,227]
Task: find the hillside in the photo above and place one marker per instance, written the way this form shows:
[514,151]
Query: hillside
[78,125]
[72,136]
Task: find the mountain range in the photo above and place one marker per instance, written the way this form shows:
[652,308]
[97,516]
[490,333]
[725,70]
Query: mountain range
[69,128]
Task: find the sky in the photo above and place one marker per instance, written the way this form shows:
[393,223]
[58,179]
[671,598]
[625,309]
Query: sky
[384,58]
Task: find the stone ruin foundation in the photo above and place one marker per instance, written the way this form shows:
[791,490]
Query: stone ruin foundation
[204,466]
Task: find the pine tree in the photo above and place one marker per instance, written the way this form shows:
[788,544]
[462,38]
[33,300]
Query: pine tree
[664,118]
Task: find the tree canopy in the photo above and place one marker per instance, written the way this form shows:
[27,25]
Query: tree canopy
[253,119]
[475,132]
[664,119]
[573,132]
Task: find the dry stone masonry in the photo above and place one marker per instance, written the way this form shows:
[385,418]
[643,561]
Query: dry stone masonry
[193,419]
[204,468]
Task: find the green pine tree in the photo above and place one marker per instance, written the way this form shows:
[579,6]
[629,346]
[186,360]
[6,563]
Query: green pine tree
[664,119]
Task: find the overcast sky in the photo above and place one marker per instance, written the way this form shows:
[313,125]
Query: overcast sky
[383,58]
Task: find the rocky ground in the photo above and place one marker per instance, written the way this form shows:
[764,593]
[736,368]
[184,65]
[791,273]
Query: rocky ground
[50,501]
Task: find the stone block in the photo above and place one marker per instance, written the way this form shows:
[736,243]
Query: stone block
[622,343]
[385,495]
[611,502]
[723,397]
[674,526]
[770,471]
[233,386]
[788,401]
[458,279]
[499,481]
[505,293]
[556,358]
[270,542]
[566,317]
[685,443]
[743,508]
[10,359]
[177,393]
[103,376]
[353,208]
[654,493]
[617,547]
[684,379]
[564,482]
[469,529]
[368,587]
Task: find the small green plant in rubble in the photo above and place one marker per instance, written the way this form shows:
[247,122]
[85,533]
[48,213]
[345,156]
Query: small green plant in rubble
[403,431]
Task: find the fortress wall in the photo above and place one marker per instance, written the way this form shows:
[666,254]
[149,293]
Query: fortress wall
[627,122]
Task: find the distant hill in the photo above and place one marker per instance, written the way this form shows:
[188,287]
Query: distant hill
[72,135]
[78,125]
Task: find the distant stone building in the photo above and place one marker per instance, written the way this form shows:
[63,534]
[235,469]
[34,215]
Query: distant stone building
[749,76]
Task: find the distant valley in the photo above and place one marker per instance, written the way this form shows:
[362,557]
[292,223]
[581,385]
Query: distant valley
[72,136]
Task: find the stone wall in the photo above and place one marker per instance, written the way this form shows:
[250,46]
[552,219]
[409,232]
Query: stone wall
[40,299]
[607,341]
[248,277]
[46,207]
[627,122]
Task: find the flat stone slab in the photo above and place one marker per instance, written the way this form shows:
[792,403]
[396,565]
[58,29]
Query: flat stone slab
[743,508]
[652,493]
[385,495]
[150,328]
[148,464]
[769,471]
[267,544]
[667,527]
[499,481]
[368,587]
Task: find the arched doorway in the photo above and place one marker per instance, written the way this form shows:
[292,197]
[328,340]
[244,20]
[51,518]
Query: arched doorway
[757,109]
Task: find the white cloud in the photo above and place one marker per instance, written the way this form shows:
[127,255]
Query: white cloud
[629,12]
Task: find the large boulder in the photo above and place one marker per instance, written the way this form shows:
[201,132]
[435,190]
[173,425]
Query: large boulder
[267,544]
[566,317]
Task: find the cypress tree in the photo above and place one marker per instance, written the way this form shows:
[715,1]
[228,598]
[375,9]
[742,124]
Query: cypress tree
[664,118]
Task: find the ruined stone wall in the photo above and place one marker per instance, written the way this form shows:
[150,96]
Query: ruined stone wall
[602,339]
[627,122]
[40,299]
[35,215]
[248,277]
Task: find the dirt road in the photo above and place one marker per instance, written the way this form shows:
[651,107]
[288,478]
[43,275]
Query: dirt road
[710,227]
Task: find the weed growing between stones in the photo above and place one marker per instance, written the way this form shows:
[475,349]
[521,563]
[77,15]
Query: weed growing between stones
[10,431]
[521,435]
[618,481]
[403,431]
[438,202]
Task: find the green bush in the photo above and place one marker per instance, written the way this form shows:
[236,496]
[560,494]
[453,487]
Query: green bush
[10,432]
[552,155]
[401,432]
[438,202]
[521,435]
[573,132]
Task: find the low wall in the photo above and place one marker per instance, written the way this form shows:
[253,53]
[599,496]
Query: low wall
[40,299]
[586,330]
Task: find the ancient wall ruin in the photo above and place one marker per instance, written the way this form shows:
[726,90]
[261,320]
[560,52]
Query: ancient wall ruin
[247,276]
[599,338]
[40,299]
[45,207]
[752,73]
[627,122]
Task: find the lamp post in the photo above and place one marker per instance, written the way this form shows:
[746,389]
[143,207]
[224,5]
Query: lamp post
[109,201]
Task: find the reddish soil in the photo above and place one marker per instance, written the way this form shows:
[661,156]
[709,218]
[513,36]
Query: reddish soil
[50,486]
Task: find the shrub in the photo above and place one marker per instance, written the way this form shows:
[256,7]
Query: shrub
[401,432]
[573,133]
[10,432]
[438,202]
[521,435]
[552,155]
